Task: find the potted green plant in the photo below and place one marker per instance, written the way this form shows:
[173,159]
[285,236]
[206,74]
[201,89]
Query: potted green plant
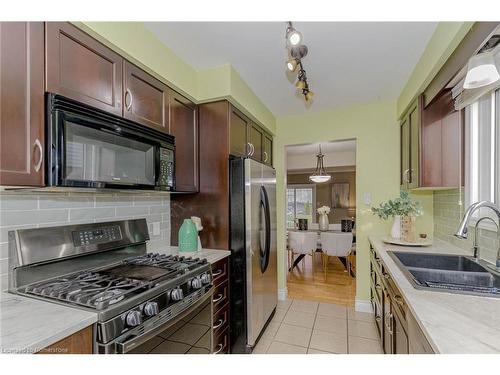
[404,210]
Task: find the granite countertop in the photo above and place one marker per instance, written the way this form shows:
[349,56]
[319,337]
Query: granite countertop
[452,323]
[211,255]
[28,325]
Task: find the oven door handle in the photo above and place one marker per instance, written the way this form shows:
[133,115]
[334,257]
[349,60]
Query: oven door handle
[161,325]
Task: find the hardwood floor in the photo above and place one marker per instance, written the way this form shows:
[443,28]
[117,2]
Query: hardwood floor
[339,287]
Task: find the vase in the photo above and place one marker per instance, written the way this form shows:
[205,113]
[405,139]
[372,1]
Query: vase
[323,222]
[407,228]
[188,236]
[396,228]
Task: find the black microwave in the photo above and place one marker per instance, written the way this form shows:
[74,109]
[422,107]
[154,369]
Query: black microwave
[89,148]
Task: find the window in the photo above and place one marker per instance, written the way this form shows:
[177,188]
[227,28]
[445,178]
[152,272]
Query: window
[482,126]
[300,200]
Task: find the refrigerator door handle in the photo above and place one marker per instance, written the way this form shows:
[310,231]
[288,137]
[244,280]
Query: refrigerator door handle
[265,252]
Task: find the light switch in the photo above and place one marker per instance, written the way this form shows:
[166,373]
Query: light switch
[368,199]
[156,228]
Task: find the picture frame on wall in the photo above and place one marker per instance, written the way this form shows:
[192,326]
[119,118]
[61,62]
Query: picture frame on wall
[340,195]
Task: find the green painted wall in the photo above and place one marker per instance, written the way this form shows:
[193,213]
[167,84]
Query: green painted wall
[137,43]
[375,128]
[443,42]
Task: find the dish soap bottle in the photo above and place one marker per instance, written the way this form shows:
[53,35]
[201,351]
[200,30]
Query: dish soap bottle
[188,236]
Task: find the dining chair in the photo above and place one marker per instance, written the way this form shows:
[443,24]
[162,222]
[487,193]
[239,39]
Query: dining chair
[335,245]
[302,243]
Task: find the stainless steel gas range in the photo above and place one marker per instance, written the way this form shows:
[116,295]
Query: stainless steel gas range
[145,303]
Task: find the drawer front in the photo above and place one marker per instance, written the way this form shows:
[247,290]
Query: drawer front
[220,271]
[221,343]
[221,295]
[221,319]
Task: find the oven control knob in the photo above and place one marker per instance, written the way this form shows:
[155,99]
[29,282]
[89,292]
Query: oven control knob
[134,318]
[205,278]
[176,294]
[151,308]
[196,283]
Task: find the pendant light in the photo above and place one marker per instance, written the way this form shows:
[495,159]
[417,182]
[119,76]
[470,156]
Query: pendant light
[320,174]
[481,71]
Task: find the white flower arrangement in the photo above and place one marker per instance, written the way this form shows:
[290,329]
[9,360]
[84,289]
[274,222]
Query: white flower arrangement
[323,210]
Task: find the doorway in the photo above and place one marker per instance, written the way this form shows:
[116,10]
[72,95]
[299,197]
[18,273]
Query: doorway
[316,274]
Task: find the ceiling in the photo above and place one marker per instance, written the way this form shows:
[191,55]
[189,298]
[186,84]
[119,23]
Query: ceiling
[326,147]
[348,62]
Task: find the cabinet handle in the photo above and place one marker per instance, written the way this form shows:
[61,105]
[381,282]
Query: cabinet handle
[378,286]
[218,324]
[38,145]
[399,300]
[218,298]
[265,157]
[387,276]
[252,149]
[216,273]
[388,324]
[220,347]
[378,318]
[129,94]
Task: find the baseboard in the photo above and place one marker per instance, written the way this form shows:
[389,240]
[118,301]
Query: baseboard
[282,293]
[363,305]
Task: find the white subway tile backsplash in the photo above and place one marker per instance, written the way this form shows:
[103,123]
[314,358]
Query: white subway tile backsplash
[20,210]
[25,217]
[132,211]
[18,202]
[65,201]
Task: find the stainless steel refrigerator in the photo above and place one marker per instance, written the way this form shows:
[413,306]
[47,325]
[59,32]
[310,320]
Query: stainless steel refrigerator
[254,283]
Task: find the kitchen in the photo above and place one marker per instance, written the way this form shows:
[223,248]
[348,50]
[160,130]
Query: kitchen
[143,187]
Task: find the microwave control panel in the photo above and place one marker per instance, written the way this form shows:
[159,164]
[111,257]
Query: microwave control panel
[97,236]
[166,177]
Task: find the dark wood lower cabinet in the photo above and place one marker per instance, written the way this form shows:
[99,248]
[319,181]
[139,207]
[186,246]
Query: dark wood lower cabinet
[78,343]
[21,103]
[397,327]
[221,309]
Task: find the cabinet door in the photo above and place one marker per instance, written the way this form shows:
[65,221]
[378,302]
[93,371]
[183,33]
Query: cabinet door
[388,343]
[81,68]
[238,131]
[452,150]
[256,142]
[267,153]
[405,153]
[184,127]
[21,103]
[78,343]
[400,337]
[414,119]
[145,98]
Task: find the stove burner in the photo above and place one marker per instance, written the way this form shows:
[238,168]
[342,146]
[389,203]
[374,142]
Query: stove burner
[103,288]
[112,296]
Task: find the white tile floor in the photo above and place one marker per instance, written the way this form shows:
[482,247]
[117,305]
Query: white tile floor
[308,327]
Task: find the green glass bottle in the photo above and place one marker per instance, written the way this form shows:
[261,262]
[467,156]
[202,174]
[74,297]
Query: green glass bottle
[188,236]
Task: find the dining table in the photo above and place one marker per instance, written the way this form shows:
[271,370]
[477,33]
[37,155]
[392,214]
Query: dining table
[301,256]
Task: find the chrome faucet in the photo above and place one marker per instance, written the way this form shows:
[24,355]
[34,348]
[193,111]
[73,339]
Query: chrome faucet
[462,229]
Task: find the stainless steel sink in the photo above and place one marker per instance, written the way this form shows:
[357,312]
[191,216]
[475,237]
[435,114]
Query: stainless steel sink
[453,273]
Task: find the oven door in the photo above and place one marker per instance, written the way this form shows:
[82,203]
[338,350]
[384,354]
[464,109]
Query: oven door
[188,333]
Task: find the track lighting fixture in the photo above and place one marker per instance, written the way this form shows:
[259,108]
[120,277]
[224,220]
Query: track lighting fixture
[297,52]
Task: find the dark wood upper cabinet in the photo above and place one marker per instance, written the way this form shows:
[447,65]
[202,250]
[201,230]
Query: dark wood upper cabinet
[442,144]
[145,99]
[238,131]
[184,127]
[410,145]
[81,68]
[267,153]
[21,103]
[256,142]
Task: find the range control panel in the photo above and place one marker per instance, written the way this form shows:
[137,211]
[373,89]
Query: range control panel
[97,236]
